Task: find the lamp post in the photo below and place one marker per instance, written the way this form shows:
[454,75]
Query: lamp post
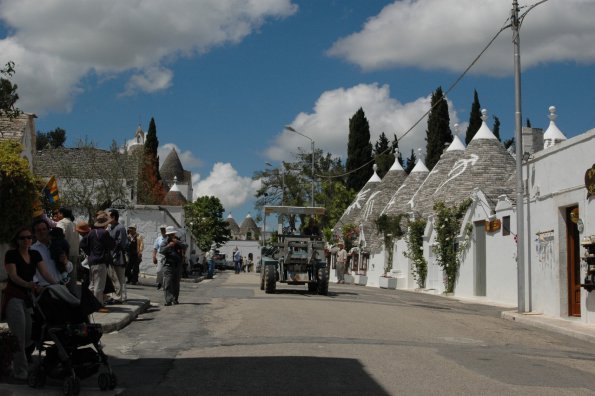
[290,128]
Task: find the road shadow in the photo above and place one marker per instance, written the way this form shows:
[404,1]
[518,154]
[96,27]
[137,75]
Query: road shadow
[283,375]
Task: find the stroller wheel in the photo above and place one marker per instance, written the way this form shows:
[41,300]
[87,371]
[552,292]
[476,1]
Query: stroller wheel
[36,378]
[103,380]
[113,381]
[71,386]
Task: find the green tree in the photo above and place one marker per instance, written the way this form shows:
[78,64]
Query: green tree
[204,217]
[474,118]
[508,142]
[438,133]
[415,253]
[8,92]
[290,185]
[410,162]
[384,154]
[150,187]
[18,189]
[51,139]
[496,128]
[359,151]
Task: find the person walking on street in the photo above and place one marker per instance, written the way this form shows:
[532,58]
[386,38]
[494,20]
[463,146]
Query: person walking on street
[158,257]
[173,250]
[117,271]
[341,262]
[135,254]
[21,263]
[210,256]
[97,245]
[237,260]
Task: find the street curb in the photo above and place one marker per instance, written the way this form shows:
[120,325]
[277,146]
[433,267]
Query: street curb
[114,321]
[569,328]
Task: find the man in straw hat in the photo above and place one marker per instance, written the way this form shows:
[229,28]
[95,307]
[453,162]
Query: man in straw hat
[98,244]
[173,250]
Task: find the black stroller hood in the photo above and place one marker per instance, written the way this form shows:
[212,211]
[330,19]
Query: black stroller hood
[57,305]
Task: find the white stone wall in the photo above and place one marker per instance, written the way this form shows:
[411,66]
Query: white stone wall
[556,181]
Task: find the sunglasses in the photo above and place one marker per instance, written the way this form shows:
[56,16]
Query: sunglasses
[22,238]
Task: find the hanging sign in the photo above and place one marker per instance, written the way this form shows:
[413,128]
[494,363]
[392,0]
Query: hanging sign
[492,225]
[590,181]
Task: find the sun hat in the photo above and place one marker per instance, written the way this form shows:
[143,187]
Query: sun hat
[170,230]
[132,226]
[162,227]
[101,220]
[82,227]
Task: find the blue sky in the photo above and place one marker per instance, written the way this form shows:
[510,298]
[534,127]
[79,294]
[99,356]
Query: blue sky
[223,77]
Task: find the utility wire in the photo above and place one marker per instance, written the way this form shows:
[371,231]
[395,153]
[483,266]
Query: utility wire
[450,88]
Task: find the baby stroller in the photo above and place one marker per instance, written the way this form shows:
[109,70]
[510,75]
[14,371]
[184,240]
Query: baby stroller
[61,329]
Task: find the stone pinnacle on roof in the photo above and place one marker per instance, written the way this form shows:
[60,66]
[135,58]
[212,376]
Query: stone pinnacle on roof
[375,177]
[419,167]
[484,131]
[456,145]
[552,135]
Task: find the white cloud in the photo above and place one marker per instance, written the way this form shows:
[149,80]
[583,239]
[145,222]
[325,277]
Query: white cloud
[448,34]
[225,183]
[328,124]
[56,43]
[152,79]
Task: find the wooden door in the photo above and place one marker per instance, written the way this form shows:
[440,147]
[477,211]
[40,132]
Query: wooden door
[573,262]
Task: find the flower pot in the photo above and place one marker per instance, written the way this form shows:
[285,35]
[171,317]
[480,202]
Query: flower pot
[349,279]
[387,283]
[361,280]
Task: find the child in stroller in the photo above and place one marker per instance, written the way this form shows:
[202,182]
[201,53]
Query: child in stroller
[61,329]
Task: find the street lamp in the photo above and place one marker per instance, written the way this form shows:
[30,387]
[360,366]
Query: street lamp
[290,128]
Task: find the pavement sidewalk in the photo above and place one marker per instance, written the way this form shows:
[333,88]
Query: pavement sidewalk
[571,327]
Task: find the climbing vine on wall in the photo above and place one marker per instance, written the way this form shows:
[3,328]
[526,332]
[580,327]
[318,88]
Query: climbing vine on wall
[415,251]
[390,228]
[447,223]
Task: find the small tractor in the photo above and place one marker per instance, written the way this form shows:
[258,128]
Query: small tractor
[296,259]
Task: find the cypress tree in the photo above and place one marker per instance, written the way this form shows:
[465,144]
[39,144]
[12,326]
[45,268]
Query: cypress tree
[438,133]
[496,128]
[384,154]
[474,118]
[359,151]
[410,162]
[150,189]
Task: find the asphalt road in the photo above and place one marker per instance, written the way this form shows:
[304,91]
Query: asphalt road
[229,337]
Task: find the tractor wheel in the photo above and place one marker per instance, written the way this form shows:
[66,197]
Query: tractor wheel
[323,281]
[312,287]
[269,278]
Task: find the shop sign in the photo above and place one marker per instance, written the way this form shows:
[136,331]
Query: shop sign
[590,181]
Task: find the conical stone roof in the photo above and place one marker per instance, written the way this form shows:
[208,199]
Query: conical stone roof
[485,165]
[233,226]
[553,134]
[391,182]
[350,216]
[399,202]
[248,225]
[422,201]
[172,167]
